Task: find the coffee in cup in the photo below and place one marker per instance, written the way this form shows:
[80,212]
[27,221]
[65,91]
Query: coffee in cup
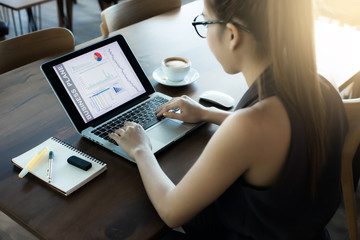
[176,68]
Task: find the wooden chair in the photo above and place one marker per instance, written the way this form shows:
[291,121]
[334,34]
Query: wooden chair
[30,47]
[129,12]
[352,108]
[351,88]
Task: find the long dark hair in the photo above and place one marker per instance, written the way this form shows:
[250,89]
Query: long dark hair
[284,30]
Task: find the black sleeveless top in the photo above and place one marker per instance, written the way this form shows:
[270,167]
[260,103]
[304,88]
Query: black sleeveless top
[287,210]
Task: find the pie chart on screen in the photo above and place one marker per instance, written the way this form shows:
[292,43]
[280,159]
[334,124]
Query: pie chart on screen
[97,56]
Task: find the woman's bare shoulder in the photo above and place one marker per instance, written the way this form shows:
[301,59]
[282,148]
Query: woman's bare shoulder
[263,135]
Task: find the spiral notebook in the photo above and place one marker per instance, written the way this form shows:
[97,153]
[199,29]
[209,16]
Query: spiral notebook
[66,178]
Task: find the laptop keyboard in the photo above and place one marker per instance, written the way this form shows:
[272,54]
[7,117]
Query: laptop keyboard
[144,114]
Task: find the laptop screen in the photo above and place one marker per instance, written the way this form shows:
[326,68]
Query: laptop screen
[99,81]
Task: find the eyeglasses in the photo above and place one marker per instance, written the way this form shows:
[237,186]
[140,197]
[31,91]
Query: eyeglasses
[201,25]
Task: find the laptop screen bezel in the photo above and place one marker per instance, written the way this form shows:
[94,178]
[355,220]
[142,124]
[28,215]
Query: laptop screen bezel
[48,70]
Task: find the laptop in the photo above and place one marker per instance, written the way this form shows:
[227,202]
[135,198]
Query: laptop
[103,85]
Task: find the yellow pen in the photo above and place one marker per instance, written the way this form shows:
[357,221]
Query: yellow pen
[32,163]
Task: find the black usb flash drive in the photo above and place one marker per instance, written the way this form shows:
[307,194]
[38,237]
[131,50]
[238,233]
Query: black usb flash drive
[80,163]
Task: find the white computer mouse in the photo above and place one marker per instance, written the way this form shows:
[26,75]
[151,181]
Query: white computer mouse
[219,98]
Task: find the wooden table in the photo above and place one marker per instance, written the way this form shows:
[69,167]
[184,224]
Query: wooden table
[17,5]
[64,10]
[65,15]
[115,204]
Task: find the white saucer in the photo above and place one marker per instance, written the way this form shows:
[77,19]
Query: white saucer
[160,77]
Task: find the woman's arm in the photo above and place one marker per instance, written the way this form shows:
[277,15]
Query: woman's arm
[192,111]
[226,157]
[215,115]
[252,142]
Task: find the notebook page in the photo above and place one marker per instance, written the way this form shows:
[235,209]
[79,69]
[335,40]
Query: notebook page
[66,178]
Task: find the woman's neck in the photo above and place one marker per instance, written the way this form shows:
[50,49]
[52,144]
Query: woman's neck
[254,69]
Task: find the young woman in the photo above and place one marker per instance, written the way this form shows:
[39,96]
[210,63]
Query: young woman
[272,169]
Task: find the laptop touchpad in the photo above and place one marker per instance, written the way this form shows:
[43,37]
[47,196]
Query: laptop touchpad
[167,131]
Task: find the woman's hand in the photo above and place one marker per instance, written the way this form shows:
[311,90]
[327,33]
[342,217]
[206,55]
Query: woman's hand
[190,110]
[131,138]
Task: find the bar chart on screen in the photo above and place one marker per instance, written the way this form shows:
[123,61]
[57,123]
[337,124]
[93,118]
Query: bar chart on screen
[99,81]
[105,99]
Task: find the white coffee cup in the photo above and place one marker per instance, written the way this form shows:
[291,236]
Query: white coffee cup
[176,68]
